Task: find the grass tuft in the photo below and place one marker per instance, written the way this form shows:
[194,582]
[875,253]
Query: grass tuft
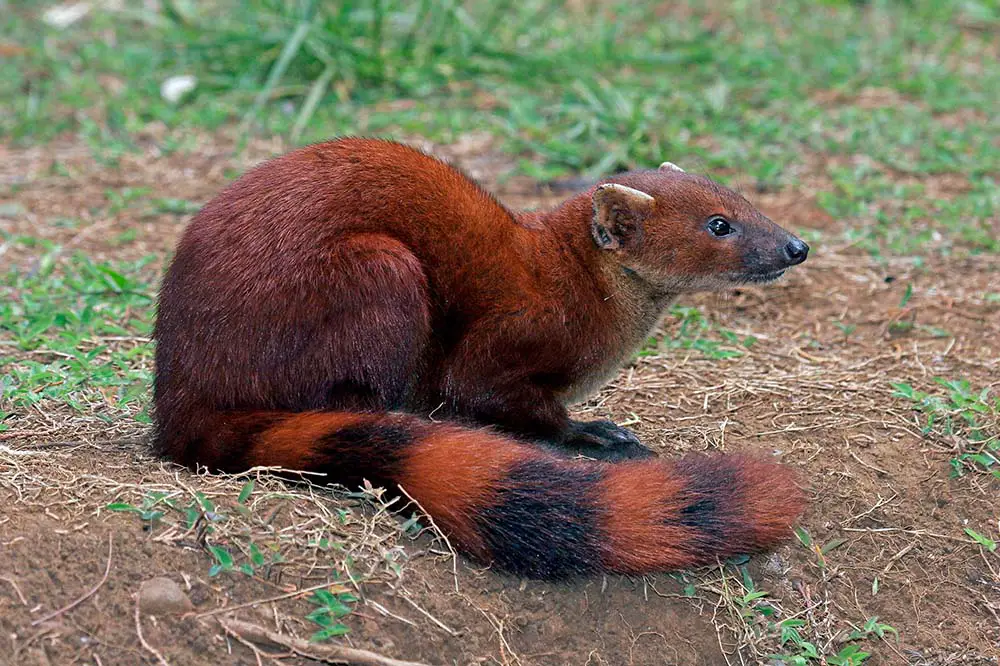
[968,419]
[75,332]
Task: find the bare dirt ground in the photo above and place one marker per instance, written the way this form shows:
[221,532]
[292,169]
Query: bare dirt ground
[882,497]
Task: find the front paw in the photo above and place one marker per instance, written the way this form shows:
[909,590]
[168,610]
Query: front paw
[604,440]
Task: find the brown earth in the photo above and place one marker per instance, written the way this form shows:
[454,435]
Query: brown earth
[819,395]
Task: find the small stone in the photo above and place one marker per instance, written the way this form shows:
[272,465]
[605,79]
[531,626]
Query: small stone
[63,16]
[174,88]
[162,596]
[776,566]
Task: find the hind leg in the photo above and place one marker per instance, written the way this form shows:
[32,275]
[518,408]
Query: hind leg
[341,326]
[355,329]
[378,334]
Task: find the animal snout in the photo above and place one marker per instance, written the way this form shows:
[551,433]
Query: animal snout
[795,252]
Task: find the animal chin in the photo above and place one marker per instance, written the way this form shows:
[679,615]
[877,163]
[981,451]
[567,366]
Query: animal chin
[770,276]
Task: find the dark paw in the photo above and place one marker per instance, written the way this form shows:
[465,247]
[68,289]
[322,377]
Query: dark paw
[604,440]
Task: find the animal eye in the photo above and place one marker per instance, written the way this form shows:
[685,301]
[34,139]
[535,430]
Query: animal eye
[719,226]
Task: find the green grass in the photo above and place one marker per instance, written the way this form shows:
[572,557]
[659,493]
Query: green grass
[694,331]
[611,86]
[792,639]
[200,513]
[741,87]
[239,540]
[331,607]
[906,219]
[847,650]
[75,332]
[957,410]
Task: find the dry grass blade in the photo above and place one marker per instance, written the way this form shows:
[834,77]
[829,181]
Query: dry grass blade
[86,595]
[268,600]
[17,589]
[326,653]
[142,639]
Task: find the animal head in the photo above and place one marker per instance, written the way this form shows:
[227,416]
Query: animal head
[681,232]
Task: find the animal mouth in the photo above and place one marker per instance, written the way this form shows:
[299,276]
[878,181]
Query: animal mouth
[769,276]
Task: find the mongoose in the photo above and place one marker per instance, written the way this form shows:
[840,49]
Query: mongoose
[362,309]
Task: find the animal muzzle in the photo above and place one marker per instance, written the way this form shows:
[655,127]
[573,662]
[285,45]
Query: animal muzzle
[794,252]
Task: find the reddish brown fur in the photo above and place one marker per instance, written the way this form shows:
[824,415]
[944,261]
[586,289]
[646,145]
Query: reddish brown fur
[286,444]
[330,287]
[454,474]
[645,531]
[641,538]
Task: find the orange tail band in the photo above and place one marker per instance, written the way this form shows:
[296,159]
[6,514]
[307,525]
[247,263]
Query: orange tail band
[531,512]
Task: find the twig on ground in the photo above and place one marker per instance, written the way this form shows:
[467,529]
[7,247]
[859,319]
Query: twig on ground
[17,590]
[881,502]
[385,611]
[80,600]
[250,646]
[142,639]
[874,530]
[326,653]
[258,602]
[429,616]
[897,556]
[868,465]
[506,652]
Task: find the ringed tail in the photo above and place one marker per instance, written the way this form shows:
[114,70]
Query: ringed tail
[525,510]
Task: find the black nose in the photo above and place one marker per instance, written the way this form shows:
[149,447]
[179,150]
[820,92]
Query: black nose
[796,252]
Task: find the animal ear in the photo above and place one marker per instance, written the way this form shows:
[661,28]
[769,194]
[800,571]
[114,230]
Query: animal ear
[618,215]
[670,166]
